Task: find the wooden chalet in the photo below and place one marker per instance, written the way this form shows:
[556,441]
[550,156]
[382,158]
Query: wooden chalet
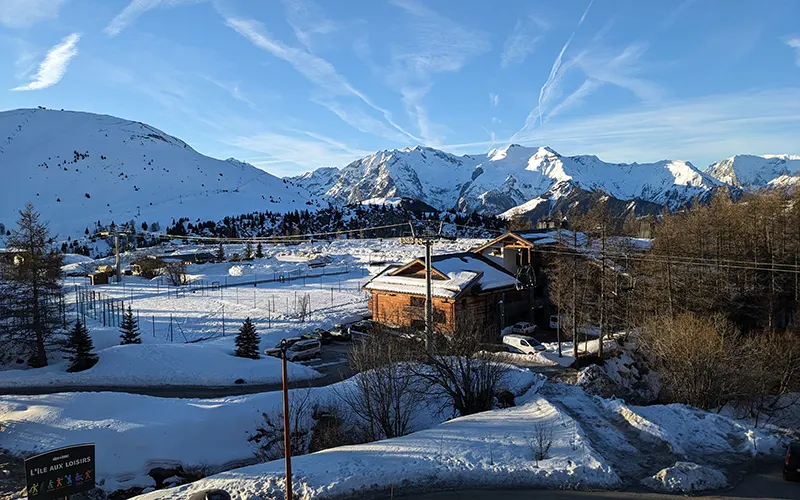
[466,288]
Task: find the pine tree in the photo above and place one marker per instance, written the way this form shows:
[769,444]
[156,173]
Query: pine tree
[247,341]
[248,251]
[79,349]
[129,329]
[220,253]
[35,279]
[259,251]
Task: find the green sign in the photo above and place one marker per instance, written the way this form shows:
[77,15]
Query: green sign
[60,473]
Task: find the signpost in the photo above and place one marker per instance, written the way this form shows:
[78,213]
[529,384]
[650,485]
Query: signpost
[60,473]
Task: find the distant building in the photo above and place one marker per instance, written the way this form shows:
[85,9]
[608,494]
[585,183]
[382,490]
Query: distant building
[98,278]
[466,288]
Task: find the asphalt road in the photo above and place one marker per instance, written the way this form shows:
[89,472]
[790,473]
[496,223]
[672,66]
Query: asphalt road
[766,483]
[333,367]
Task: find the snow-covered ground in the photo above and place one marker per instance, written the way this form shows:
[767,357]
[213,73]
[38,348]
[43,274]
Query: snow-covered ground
[135,433]
[185,330]
[686,477]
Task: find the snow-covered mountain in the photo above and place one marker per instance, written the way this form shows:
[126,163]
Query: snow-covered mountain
[78,168]
[756,172]
[505,178]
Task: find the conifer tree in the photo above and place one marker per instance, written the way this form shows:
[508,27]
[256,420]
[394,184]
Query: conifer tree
[220,253]
[248,251]
[35,279]
[247,341]
[79,349]
[129,329]
[259,251]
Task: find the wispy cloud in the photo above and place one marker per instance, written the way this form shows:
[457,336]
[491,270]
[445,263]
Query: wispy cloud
[522,41]
[437,45]
[307,19]
[24,13]
[285,154]
[795,44]
[585,13]
[701,130]
[135,9]
[55,64]
[314,68]
[677,12]
[232,88]
[494,99]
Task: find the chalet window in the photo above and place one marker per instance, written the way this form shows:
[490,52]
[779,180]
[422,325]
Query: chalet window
[497,252]
[417,301]
[438,316]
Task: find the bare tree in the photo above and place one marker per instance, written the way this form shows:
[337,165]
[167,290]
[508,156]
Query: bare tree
[700,359]
[302,307]
[268,437]
[176,273]
[540,441]
[459,367]
[384,393]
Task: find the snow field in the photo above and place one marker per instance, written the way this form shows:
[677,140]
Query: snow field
[481,450]
[171,317]
[134,433]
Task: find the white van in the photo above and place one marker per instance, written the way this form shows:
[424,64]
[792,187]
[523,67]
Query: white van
[522,343]
[305,349]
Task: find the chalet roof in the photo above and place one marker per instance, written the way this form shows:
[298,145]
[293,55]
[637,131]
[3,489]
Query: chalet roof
[453,274]
[563,237]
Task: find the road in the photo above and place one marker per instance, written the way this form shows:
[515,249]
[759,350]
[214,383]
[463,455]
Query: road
[765,483]
[333,367]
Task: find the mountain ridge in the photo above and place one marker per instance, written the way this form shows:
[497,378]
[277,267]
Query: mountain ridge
[80,168]
[505,178]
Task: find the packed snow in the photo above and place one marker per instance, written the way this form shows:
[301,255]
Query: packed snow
[686,477]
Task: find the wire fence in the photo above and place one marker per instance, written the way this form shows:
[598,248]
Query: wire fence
[279,307]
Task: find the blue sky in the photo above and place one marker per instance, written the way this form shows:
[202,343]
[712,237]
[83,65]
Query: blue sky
[296,84]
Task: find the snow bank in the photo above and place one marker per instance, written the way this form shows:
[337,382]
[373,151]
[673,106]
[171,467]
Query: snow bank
[686,477]
[690,432]
[200,364]
[483,450]
[134,433]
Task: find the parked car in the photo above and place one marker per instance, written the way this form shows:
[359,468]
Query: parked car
[791,464]
[320,334]
[522,343]
[305,349]
[360,328]
[554,321]
[276,351]
[523,328]
[340,332]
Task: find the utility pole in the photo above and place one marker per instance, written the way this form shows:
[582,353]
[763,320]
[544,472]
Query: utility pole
[287,441]
[427,240]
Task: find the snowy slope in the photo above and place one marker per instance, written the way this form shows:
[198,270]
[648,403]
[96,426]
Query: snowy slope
[756,172]
[78,168]
[507,177]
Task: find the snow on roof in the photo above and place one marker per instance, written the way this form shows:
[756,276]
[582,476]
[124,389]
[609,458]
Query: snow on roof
[462,270]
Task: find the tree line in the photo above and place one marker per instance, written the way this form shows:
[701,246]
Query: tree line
[713,297]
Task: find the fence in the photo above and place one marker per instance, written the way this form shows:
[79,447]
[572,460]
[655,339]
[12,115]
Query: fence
[279,307]
[98,306]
